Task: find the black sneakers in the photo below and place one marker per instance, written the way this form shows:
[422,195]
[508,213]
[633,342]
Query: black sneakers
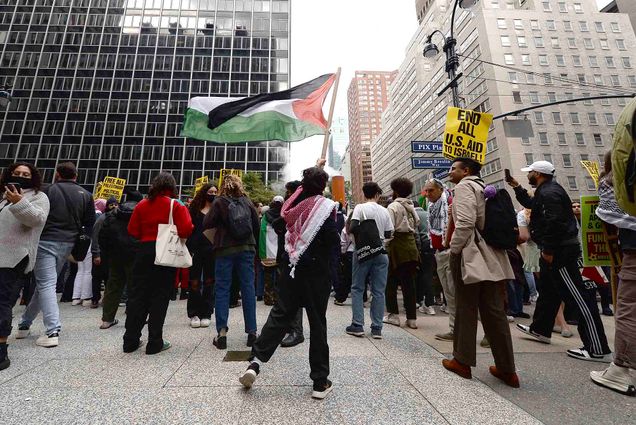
[251,339]
[321,390]
[249,376]
[4,358]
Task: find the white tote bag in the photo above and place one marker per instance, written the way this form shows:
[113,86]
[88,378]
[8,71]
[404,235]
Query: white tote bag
[171,250]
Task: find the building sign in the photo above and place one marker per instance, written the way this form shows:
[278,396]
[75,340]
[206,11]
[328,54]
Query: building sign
[466,134]
[440,174]
[427,163]
[426,147]
[111,186]
[595,247]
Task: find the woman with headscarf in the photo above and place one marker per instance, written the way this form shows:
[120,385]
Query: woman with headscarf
[311,237]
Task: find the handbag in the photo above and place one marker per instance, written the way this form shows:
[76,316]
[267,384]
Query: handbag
[82,240]
[481,258]
[170,249]
[367,240]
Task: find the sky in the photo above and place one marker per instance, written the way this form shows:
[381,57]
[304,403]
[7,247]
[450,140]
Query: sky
[353,35]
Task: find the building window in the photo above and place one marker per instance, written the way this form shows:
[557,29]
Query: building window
[599,27]
[560,60]
[543,60]
[547,157]
[525,141]
[538,42]
[590,183]
[582,79]
[598,139]
[516,97]
[593,61]
[521,40]
[543,138]
[505,41]
[580,139]
[585,157]
[546,6]
[534,97]
[588,43]
[538,117]
[529,158]
[562,140]
[583,26]
[509,59]
[578,8]
[632,80]
[604,44]
[609,61]
[567,161]
[552,97]
[574,118]
[567,26]
[620,44]
[554,42]
[525,59]
[626,62]
[615,27]
[534,24]
[501,23]
[616,80]
[572,43]
[609,118]
[591,117]
[530,78]
[563,8]
[550,25]
[572,183]
[512,77]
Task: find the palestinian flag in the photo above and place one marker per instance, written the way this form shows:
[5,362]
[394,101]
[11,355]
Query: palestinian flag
[290,116]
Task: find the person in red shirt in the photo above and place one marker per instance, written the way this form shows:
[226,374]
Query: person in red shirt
[149,292]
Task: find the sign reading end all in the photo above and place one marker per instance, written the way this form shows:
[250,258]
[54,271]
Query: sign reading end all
[426,163]
[426,147]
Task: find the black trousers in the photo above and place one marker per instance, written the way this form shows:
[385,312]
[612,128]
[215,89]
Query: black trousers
[148,297]
[201,294]
[100,275]
[69,282]
[562,280]
[344,288]
[310,289]
[10,281]
[407,282]
[424,282]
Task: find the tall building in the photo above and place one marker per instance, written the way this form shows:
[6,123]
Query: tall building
[515,54]
[105,83]
[367,97]
[622,6]
[338,141]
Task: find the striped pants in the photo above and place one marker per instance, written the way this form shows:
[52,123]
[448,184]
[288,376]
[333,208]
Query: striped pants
[561,281]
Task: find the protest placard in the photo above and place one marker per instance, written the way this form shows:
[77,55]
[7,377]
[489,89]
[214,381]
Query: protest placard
[594,240]
[466,134]
[198,183]
[226,171]
[111,186]
[592,168]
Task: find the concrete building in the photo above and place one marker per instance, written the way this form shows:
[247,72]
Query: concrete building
[338,141]
[515,54]
[622,6]
[367,97]
[105,83]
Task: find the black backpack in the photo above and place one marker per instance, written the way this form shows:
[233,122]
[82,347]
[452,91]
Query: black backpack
[239,218]
[113,238]
[501,229]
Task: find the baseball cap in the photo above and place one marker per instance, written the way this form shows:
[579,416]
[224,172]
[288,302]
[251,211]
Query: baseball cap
[278,198]
[543,167]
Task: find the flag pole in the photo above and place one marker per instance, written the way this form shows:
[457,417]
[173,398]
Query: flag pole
[325,143]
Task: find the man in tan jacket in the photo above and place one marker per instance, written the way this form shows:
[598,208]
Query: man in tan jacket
[480,273]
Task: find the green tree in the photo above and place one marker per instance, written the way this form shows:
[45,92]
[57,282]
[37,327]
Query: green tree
[256,189]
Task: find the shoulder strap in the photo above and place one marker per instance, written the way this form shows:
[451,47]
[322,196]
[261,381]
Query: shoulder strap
[67,203]
[170,216]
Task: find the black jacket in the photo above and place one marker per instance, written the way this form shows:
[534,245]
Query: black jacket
[217,218]
[61,226]
[114,240]
[552,223]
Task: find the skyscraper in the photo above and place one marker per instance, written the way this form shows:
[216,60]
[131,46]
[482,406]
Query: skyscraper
[515,54]
[367,96]
[105,83]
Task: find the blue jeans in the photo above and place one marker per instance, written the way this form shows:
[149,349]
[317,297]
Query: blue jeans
[243,264]
[376,269]
[515,297]
[51,258]
[532,285]
[260,279]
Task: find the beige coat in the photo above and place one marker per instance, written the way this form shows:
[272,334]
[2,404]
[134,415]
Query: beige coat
[480,262]
[403,216]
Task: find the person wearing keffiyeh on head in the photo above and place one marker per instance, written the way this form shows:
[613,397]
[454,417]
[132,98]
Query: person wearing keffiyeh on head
[311,236]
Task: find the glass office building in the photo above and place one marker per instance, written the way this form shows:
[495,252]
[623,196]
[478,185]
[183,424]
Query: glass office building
[105,83]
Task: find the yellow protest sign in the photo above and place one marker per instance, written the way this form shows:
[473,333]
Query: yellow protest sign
[198,183]
[593,168]
[111,186]
[226,171]
[466,134]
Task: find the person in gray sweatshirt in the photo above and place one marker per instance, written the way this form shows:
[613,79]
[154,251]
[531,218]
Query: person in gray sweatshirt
[23,212]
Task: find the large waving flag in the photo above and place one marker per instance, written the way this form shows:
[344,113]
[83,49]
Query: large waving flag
[290,116]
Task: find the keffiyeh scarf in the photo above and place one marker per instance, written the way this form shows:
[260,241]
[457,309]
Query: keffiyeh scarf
[609,211]
[304,220]
[438,215]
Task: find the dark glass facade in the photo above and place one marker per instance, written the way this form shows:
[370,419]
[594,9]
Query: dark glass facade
[105,83]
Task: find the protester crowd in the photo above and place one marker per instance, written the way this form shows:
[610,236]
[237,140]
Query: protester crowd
[464,252]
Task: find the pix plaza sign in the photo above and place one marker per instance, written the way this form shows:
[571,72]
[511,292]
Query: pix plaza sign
[426,146]
[430,163]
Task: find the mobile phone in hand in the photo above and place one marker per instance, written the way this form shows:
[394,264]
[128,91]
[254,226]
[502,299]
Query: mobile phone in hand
[508,176]
[15,187]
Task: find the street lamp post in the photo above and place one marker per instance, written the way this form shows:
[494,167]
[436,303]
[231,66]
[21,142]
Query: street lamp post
[452,60]
[5,96]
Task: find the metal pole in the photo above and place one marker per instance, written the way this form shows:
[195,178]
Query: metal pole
[452,61]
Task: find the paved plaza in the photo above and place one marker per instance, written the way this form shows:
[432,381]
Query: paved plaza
[397,380]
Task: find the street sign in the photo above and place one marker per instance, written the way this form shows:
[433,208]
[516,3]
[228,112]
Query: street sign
[440,174]
[423,163]
[426,146]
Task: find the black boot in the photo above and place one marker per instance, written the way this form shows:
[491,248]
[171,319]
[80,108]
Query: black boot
[292,339]
[4,358]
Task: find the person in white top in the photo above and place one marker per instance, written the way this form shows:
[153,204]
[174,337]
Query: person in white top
[369,259]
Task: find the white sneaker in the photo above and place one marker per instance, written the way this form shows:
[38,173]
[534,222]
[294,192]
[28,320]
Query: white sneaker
[526,330]
[23,333]
[195,322]
[392,319]
[615,378]
[427,310]
[534,299]
[87,303]
[583,354]
[510,319]
[48,341]
[76,302]
[205,323]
